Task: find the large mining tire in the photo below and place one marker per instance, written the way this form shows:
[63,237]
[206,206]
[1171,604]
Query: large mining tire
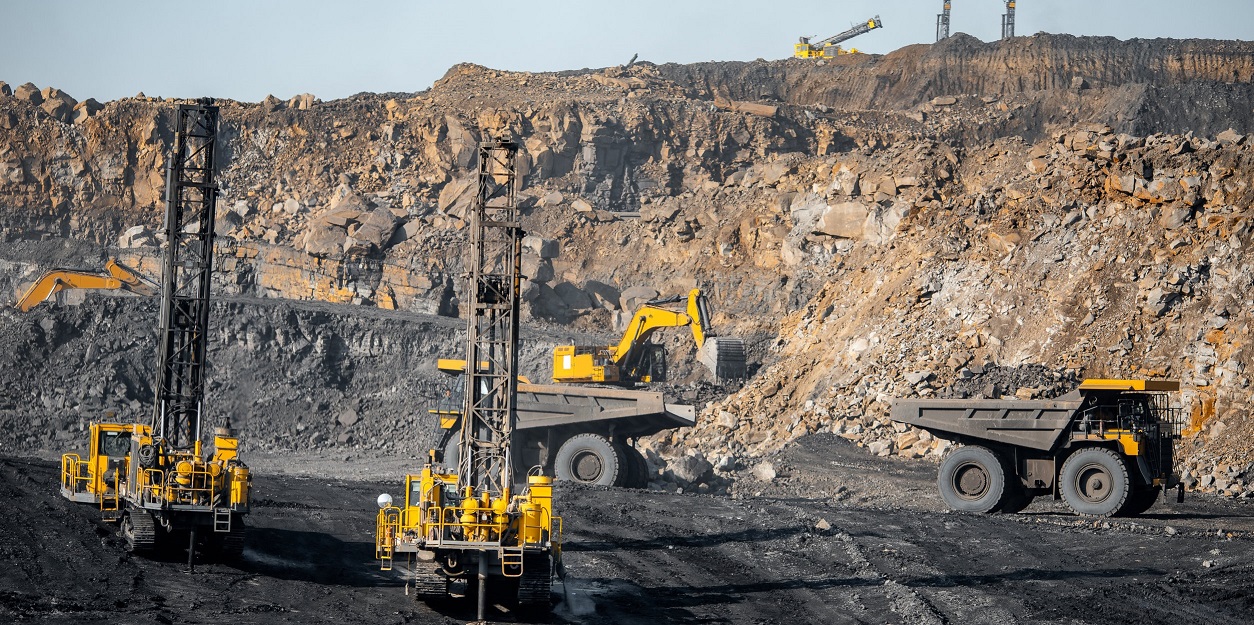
[588,458]
[972,479]
[140,531]
[1094,482]
[635,470]
[1139,502]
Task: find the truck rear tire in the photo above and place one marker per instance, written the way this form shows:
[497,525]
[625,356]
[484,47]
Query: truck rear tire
[1140,502]
[588,459]
[1094,482]
[973,479]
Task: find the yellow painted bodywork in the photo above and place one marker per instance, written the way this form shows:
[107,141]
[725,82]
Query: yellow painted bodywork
[431,519]
[1098,384]
[51,283]
[806,50]
[602,363]
[106,476]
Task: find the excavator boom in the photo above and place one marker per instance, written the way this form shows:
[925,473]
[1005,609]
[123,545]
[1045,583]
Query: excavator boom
[57,280]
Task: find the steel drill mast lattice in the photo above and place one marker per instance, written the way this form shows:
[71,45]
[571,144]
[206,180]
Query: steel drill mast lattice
[191,195]
[1008,21]
[942,23]
[492,326]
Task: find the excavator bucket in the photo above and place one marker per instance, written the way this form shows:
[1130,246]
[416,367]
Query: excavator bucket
[724,357]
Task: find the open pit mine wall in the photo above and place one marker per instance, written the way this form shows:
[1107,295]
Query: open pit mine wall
[936,245]
[1141,82]
[289,377]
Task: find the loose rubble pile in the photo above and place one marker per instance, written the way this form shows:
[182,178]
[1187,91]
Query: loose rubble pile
[1004,227]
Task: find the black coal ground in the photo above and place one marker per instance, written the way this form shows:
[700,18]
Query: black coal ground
[838,537]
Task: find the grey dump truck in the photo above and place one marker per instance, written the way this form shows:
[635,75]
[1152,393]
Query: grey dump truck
[1105,449]
[575,433]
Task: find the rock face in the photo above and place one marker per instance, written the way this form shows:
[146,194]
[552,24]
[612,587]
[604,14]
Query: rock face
[1009,239]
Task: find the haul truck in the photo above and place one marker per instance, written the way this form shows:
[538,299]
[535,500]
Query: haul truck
[1105,449]
[575,433]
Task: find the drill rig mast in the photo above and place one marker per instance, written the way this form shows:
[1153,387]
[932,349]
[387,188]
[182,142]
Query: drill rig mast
[1008,21]
[160,479]
[455,527]
[942,22]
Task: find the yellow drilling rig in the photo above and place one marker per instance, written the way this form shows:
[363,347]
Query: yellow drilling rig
[485,518]
[162,481]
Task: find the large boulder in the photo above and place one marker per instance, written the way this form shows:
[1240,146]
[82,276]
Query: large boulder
[86,109]
[574,297]
[372,233]
[5,89]
[635,297]
[544,248]
[845,220]
[603,295]
[327,234]
[882,223]
[29,93]
[537,269]
[58,104]
[456,196]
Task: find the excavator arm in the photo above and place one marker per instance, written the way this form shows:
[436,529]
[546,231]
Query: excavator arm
[120,277]
[627,362]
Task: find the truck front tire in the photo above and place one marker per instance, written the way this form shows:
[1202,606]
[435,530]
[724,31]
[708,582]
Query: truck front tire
[588,459]
[973,479]
[1094,482]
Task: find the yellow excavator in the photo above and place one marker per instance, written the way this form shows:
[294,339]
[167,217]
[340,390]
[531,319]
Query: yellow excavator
[636,360]
[120,277]
[830,48]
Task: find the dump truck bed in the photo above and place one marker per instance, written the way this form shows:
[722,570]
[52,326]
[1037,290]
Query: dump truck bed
[1038,424]
[632,413]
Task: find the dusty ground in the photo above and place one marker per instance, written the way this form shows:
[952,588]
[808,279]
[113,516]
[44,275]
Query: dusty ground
[839,537]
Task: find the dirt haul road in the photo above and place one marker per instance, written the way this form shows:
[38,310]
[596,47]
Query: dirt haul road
[837,537]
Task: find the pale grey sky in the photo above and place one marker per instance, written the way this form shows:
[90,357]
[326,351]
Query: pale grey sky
[245,49]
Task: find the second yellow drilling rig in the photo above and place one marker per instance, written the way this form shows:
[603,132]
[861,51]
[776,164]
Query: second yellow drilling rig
[465,523]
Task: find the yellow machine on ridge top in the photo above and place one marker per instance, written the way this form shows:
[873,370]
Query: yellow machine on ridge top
[830,48]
